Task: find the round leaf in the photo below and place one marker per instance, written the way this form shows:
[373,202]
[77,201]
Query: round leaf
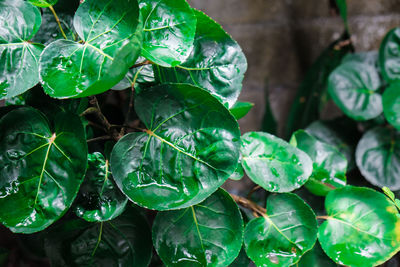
[284,234]
[189,149]
[207,234]
[41,168]
[123,242]
[391,105]
[361,229]
[353,87]
[274,164]
[329,165]
[43,3]
[216,63]
[112,41]
[19,22]
[99,199]
[378,157]
[389,56]
[169,31]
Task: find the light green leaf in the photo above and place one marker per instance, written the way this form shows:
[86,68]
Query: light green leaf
[240,109]
[391,104]
[389,56]
[388,193]
[43,3]
[274,164]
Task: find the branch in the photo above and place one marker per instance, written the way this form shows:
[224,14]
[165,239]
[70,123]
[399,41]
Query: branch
[144,63]
[58,21]
[244,202]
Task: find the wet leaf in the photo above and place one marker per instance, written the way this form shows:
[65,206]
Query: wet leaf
[240,109]
[391,104]
[389,56]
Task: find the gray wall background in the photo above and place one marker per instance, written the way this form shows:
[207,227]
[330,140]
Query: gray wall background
[281,39]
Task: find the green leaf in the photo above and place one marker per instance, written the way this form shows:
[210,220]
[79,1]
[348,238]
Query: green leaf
[378,157]
[112,36]
[354,86]
[274,164]
[99,199]
[283,234]
[238,174]
[169,31]
[125,241]
[343,10]
[361,229]
[207,234]
[329,165]
[41,168]
[189,149]
[216,63]
[389,56]
[391,104]
[388,193]
[43,3]
[316,257]
[19,22]
[240,109]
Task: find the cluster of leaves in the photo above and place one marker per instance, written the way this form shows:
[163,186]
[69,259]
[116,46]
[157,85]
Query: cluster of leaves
[178,143]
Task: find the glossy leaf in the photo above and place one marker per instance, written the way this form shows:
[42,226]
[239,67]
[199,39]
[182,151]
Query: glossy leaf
[99,199]
[206,234]
[216,63]
[329,165]
[238,174]
[240,109]
[353,87]
[284,234]
[361,229]
[41,168]
[43,3]
[391,105]
[316,257]
[123,242]
[112,41]
[19,22]
[389,56]
[378,157]
[189,149]
[169,30]
[274,164]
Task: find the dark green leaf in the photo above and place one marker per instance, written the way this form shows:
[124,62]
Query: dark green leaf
[329,165]
[283,234]
[361,228]
[389,56]
[19,22]
[316,258]
[391,105]
[123,242]
[99,199]
[41,168]
[207,234]
[169,31]
[112,39]
[353,87]
[342,10]
[274,164]
[240,109]
[269,123]
[189,149]
[43,3]
[378,157]
[216,63]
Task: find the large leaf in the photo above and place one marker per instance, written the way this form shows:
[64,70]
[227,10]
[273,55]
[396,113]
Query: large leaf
[111,34]
[123,242]
[41,168]
[274,164]
[207,234]
[99,199]
[216,63]
[329,165]
[391,105]
[283,234]
[189,149]
[353,86]
[19,22]
[378,157]
[169,30]
[43,3]
[389,56]
[361,229]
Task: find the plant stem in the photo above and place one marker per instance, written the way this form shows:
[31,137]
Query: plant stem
[244,202]
[101,138]
[144,63]
[58,21]
[253,190]
[323,217]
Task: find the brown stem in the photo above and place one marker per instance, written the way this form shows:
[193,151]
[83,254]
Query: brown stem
[146,62]
[253,190]
[244,202]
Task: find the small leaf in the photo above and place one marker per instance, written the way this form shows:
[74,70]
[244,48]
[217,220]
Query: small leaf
[362,228]
[388,192]
[99,199]
[43,3]
[189,149]
[284,234]
[353,87]
[378,157]
[240,109]
[391,104]
[389,56]
[206,234]
[238,174]
[343,10]
[274,164]
[269,123]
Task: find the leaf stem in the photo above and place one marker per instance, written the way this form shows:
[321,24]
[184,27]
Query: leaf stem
[244,202]
[323,217]
[144,63]
[58,21]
